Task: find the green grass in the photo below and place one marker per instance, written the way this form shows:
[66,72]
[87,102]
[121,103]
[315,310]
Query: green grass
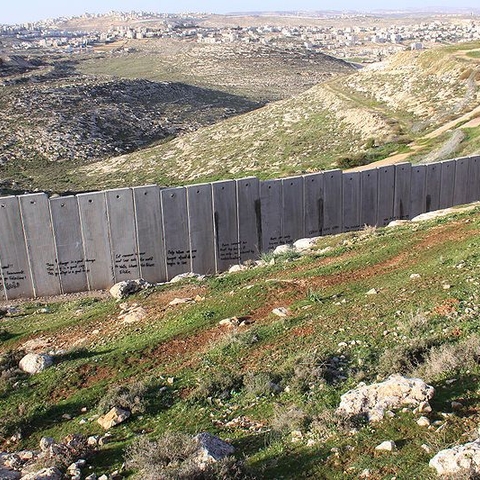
[331,315]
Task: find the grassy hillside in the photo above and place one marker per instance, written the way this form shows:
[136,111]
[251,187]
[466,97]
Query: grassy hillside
[260,384]
[359,118]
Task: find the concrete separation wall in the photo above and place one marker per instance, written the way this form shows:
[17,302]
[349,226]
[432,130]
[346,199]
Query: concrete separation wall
[91,241]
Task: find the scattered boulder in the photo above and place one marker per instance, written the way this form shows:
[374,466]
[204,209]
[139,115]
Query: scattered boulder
[180,301]
[281,312]
[397,223]
[460,459]
[187,275]
[46,443]
[236,321]
[132,313]
[305,244]
[374,400]
[237,268]
[33,363]
[52,473]
[128,287]
[7,474]
[282,249]
[423,422]
[211,449]
[387,446]
[113,417]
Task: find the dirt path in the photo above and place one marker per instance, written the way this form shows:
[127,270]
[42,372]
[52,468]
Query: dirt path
[471,118]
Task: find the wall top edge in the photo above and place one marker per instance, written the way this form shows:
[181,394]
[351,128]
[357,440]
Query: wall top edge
[238,180]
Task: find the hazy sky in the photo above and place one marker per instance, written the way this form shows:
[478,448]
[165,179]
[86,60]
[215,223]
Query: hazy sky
[30,10]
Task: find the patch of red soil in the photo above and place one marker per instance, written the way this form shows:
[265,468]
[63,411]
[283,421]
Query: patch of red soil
[449,306]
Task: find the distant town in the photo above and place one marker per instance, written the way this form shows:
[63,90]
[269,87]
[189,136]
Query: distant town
[365,42]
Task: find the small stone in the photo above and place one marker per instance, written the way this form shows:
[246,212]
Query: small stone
[415,276]
[92,441]
[180,301]
[33,363]
[426,448]
[92,476]
[305,243]
[170,380]
[456,406]
[364,473]
[281,312]
[128,287]
[423,422]
[46,443]
[103,477]
[229,322]
[424,407]
[188,275]
[237,268]
[387,446]
[114,417]
[66,416]
[282,249]
[52,473]
[211,448]
[372,292]
[445,286]
[297,436]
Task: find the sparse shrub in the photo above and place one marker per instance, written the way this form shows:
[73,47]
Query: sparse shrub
[4,334]
[128,397]
[414,324]
[61,455]
[404,358]
[238,339]
[9,370]
[314,367]
[328,423]
[261,383]
[351,161]
[286,419]
[449,358]
[172,457]
[218,383]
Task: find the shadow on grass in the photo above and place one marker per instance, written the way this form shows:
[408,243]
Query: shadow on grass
[448,391]
[79,354]
[292,462]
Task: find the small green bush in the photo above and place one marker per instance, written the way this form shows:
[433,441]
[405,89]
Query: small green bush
[130,397]
[218,383]
[404,358]
[261,384]
[286,419]
[450,358]
[172,457]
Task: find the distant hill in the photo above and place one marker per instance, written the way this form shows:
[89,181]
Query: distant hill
[362,117]
[63,112]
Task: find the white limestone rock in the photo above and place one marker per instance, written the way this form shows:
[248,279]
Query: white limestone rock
[113,417]
[128,287]
[33,363]
[387,446]
[282,249]
[305,244]
[460,459]
[374,400]
[211,449]
[52,473]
